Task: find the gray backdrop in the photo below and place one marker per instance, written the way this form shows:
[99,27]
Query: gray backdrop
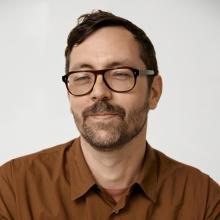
[34,107]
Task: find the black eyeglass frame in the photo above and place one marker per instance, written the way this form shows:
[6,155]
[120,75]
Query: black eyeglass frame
[136,73]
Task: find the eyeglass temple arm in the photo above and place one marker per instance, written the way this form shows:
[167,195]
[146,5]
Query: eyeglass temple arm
[146,72]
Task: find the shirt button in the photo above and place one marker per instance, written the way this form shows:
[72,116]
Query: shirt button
[116,211]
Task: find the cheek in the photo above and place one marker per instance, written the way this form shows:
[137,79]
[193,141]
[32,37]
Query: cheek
[76,106]
[132,101]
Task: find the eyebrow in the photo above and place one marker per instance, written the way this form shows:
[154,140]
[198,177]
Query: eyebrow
[113,64]
[81,66]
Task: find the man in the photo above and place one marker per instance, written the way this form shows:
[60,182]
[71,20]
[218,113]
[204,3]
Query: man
[110,171]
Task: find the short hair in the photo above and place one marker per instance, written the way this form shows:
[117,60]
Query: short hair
[91,22]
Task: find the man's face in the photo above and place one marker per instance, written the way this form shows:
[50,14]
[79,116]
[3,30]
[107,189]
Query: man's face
[107,120]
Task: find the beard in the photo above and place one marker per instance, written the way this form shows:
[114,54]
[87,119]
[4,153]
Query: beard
[113,134]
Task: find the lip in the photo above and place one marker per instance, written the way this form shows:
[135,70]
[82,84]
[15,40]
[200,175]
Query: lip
[102,116]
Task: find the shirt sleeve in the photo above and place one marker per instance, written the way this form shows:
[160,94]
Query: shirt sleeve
[7,193]
[213,201]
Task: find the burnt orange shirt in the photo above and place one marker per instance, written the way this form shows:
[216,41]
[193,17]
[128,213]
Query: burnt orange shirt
[56,184]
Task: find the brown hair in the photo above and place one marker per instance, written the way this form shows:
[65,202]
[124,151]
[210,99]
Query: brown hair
[89,23]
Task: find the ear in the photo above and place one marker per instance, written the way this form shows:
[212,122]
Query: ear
[155,92]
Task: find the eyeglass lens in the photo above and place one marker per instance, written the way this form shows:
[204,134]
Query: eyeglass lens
[82,82]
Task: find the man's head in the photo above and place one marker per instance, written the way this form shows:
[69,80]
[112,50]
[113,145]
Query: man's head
[108,119]
[89,23]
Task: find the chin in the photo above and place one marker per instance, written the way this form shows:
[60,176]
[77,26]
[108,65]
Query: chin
[105,137]
[102,140]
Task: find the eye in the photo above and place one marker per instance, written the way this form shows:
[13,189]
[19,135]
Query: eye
[122,74]
[81,78]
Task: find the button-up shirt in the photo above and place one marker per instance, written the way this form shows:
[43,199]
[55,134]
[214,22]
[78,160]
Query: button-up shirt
[57,184]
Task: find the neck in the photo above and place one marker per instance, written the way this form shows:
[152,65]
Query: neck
[119,168]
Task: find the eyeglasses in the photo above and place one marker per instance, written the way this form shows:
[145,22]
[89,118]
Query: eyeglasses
[122,79]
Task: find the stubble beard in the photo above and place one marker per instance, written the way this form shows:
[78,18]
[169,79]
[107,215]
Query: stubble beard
[111,135]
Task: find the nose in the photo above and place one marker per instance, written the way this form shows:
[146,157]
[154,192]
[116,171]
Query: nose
[100,90]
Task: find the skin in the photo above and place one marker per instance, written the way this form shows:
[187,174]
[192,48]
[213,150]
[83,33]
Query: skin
[115,166]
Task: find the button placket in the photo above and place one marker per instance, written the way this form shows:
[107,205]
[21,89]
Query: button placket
[116,211]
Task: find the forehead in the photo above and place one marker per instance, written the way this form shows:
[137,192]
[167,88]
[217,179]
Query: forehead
[105,46]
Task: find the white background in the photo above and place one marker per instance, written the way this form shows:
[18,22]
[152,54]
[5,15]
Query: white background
[34,111]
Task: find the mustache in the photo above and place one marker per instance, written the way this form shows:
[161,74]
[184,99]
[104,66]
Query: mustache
[103,107]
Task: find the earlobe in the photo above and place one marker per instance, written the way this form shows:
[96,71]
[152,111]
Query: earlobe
[155,92]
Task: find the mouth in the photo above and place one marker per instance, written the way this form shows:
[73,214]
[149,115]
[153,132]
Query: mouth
[102,110]
[103,116]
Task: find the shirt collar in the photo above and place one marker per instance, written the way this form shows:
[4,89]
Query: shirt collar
[148,177]
[81,179]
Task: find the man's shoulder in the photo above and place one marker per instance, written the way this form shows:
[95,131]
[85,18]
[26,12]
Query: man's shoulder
[170,168]
[188,184]
[47,156]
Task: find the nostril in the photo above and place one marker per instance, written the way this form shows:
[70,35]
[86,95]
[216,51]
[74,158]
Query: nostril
[100,98]
[100,90]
